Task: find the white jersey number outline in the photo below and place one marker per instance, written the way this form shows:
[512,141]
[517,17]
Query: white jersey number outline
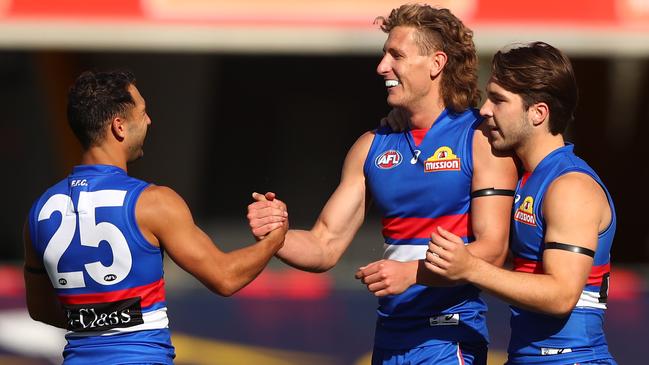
[91,234]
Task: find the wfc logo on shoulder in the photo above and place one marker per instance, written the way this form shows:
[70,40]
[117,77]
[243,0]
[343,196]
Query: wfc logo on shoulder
[442,160]
[525,212]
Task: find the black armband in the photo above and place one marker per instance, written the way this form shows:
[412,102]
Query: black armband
[571,248]
[491,192]
[35,270]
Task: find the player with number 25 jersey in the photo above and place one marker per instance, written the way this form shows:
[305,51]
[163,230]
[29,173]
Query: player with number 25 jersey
[107,276]
[94,242]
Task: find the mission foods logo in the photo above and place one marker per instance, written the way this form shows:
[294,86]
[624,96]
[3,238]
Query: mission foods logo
[442,160]
[388,159]
[525,212]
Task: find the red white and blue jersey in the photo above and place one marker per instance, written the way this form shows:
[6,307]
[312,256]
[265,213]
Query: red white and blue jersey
[419,180]
[542,339]
[106,274]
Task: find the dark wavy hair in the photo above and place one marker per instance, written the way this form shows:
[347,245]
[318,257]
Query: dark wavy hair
[440,30]
[539,72]
[94,100]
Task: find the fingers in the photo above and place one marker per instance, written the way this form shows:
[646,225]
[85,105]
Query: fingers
[262,209]
[448,235]
[434,268]
[269,196]
[433,257]
[367,270]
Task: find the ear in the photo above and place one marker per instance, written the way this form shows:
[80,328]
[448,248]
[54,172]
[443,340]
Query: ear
[437,62]
[539,113]
[118,128]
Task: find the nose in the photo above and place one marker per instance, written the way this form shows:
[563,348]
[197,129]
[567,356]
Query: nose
[486,111]
[383,67]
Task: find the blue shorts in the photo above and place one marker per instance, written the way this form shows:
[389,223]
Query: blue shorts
[450,353]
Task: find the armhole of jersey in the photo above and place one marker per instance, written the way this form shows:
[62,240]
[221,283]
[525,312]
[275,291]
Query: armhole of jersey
[132,221]
[31,226]
[473,128]
[370,152]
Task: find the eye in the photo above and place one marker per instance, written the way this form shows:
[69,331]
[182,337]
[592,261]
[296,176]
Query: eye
[496,99]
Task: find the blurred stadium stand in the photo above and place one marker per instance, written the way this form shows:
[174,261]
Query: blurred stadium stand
[241,94]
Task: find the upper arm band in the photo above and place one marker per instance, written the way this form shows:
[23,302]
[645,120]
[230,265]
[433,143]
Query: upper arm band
[35,270]
[571,248]
[491,192]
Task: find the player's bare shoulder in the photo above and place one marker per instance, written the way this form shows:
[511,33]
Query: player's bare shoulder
[359,150]
[577,194]
[160,208]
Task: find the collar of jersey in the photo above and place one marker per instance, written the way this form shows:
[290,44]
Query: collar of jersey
[97,169]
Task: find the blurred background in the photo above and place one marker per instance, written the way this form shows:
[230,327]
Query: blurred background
[257,95]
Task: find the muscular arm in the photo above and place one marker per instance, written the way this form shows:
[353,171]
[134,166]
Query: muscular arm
[42,302]
[320,248]
[489,221]
[575,210]
[165,220]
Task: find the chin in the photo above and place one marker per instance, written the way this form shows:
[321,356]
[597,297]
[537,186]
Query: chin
[393,103]
[501,146]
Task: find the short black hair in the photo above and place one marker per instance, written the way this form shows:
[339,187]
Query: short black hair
[94,100]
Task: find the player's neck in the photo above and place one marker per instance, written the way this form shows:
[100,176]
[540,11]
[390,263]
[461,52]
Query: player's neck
[535,149]
[100,155]
[424,116]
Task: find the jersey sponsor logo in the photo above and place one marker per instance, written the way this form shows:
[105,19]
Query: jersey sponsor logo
[388,160]
[442,160]
[525,212]
[451,319]
[104,316]
[552,351]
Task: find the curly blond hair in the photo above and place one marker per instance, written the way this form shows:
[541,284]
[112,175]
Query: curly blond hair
[440,30]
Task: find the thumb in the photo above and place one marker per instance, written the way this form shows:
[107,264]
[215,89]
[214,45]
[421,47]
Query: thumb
[258,197]
[270,196]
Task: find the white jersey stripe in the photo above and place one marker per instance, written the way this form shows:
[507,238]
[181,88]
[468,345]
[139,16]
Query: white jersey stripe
[589,299]
[404,252]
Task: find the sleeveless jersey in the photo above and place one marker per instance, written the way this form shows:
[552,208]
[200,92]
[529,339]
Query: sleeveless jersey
[108,277]
[417,188]
[542,339]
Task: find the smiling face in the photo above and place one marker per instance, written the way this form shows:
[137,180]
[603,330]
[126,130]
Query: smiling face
[407,73]
[507,118]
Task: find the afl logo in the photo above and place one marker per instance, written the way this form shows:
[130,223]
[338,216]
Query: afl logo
[62,281]
[110,277]
[388,160]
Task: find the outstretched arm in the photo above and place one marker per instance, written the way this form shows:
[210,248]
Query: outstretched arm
[489,221]
[42,302]
[165,219]
[320,248]
[575,210]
